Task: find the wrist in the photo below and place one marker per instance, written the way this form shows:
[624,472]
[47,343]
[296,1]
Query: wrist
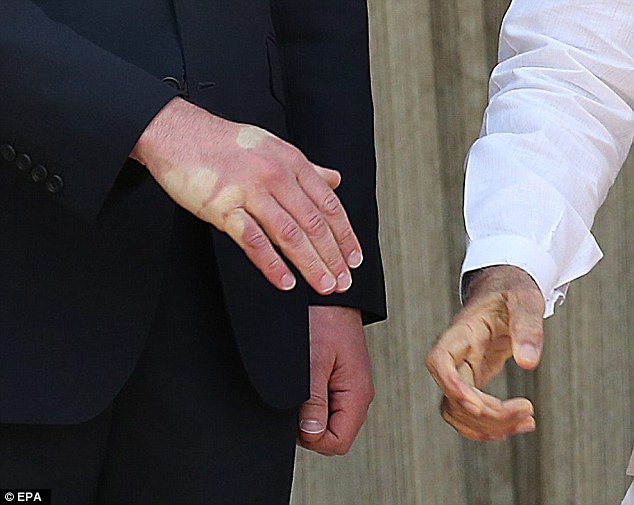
[147,140]
[163,130]
[496,279]
[336,311]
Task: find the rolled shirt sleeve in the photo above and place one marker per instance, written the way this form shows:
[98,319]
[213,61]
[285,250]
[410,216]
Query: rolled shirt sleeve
[555,134]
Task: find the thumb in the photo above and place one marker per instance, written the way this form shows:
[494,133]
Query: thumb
[526,326]
[332,177]
[313,413]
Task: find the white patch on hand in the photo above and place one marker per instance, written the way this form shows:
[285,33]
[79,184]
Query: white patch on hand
[173,181]
[228,199]
[201,185]
[216,211]
[250,136]
[190,190]
[235,223]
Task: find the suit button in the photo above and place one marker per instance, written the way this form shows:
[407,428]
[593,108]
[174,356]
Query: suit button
[39,173]
[7,153]
[54,184]
[23,162]
[173,82]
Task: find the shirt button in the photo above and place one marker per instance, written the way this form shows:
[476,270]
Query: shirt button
[39,173]
[54,184]
[23,162]
[7,153]
[173,82]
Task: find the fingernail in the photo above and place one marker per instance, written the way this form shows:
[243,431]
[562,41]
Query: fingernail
[327,283]
[355,259]
[288,282]
[525,427]
[344,281]
[529,353]
[311,426]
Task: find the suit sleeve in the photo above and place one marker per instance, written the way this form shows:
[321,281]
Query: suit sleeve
[324,46]
[69,106]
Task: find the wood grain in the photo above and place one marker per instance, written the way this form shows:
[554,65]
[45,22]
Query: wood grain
[430,64]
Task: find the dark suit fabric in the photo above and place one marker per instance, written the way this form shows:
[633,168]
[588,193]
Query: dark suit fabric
[187,428]
[82,266]
[85,235]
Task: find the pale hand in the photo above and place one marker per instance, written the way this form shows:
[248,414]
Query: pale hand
[258,189]
[341,381]
[502,317]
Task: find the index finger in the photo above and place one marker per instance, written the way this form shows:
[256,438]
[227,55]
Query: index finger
[444,369]
[446,359]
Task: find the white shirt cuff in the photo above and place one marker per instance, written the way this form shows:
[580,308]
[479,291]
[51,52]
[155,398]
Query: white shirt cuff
[522,253]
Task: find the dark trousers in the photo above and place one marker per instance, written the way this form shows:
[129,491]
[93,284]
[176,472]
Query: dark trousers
[187,428]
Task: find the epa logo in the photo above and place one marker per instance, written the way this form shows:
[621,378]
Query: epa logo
[23,496]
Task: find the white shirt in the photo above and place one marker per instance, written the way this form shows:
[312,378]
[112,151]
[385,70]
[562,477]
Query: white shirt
[557,130]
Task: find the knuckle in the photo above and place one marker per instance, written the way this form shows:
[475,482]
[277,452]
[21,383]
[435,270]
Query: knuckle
[447,417]
[343,448]
[371,394]
[334,262]
[316,224]
[314,266]
[469,435]
[367,393]
[431,360]
[230,221]
[255,239]
[296,159]
[291,233]
[317,400]
[346,234]
[273,263]
[331,203]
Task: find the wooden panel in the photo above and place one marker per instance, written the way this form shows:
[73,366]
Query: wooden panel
[430,64]
[585,394]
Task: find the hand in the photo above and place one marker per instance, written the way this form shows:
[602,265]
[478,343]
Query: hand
[502,317]
[340,381]
[258,189]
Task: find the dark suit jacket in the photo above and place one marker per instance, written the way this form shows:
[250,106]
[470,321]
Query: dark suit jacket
[84,230]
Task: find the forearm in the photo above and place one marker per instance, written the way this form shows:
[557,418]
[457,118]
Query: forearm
[556,132]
